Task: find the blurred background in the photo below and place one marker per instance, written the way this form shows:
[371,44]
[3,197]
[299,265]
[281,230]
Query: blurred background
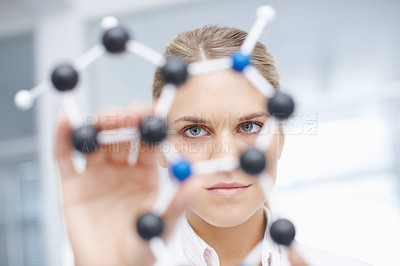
[339,175]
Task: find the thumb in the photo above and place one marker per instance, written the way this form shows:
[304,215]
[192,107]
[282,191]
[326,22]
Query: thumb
[182,199]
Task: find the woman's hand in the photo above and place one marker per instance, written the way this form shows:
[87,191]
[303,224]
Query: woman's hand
[102,204]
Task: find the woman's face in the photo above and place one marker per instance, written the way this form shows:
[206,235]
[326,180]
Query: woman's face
[213,116]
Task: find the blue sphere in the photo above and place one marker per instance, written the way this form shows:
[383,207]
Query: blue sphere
[240,61]
[181,170]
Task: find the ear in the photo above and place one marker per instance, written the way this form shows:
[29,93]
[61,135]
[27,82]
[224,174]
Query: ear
[281,143]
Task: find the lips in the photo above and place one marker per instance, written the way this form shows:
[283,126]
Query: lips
[228,189]
[227,186]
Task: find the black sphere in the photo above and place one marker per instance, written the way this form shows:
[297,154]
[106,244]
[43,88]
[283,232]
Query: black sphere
[281,105]
[64,77]
[153,130]
[253,161]
[175,71]
[115,39]
[149,225]
[282,232]
[84,139]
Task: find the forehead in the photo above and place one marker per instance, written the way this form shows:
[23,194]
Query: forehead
[219,92]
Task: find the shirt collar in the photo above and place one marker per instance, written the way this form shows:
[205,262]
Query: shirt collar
[197,250]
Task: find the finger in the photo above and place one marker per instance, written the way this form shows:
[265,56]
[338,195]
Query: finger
[181,201]
[63,149]
[118,152]
[147,153]
[114,118]
[132,118]
[295,258]
[101,121]
[110,120]
[147,156]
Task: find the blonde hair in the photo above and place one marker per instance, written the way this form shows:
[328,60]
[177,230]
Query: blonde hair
[212,42]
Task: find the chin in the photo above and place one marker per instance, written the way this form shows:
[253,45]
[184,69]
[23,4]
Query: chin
[226,216]
[227,221]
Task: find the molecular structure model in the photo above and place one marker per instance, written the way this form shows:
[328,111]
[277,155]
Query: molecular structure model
[86,138]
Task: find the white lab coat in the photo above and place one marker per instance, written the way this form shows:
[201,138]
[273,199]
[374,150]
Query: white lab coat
[187,248]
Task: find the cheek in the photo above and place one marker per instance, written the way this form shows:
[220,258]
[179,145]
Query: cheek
[272,157]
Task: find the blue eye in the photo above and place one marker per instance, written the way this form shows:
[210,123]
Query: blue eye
[249,127]
[195,131]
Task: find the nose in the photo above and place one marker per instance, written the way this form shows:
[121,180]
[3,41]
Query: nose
[224,144]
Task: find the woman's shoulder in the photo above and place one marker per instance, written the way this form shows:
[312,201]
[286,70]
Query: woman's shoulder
[316,257]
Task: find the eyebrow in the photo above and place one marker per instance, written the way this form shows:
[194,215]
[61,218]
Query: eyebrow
[191,119]
[254,115]
[194,119]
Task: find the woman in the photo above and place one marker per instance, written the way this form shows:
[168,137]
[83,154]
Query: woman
[213,115]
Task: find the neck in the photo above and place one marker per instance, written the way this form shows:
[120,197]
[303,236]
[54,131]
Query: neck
[232,244]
